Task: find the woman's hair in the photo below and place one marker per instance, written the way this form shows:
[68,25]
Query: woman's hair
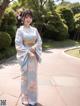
[27,12]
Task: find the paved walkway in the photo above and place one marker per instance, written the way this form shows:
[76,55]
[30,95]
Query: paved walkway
[58,80]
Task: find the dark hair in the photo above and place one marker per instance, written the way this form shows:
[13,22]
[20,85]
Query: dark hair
[27,12]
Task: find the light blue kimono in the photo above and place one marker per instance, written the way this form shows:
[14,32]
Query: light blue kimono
[24,40]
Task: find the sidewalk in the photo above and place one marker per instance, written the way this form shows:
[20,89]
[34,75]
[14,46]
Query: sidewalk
[58,80]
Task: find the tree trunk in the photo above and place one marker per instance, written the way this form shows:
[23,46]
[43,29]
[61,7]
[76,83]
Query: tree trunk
[3,7]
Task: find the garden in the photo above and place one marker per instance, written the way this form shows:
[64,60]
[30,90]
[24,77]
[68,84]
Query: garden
[58,24]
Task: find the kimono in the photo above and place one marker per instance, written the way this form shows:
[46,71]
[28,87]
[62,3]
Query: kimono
[25,39]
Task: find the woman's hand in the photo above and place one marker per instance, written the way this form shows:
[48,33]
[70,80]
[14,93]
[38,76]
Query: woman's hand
[31,54]
[32,49]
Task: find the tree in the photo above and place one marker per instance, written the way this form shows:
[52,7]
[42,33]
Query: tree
[60,0]
[3,5]
[67,16]
[77,26]
[75,8]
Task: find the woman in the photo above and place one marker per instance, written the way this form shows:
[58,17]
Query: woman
[28,44]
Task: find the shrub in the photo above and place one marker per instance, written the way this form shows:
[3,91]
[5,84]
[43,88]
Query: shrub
[40,26]
[75,8]
[55,28]
[77,26]
[8,24]
[67,15]
[51,26]
[5,40]
[6,53]
[11,30]
[77,21]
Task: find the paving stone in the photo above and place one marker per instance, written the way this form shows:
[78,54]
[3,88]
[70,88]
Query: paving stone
[58,80]
[48,96]
[71,95]
[66,81]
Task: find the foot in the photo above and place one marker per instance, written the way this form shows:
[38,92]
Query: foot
[24,104]
[33,105]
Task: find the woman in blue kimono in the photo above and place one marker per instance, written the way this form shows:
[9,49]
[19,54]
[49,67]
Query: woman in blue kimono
[28,44]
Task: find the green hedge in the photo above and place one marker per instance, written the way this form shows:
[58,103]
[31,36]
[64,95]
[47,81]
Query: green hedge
[5,40]
[8,24]
[6,53]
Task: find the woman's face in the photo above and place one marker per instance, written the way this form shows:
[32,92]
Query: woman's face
[27,20]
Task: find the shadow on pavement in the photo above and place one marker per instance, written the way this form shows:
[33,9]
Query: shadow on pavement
[38,104]
[13,60]
[47,51]
[6,62]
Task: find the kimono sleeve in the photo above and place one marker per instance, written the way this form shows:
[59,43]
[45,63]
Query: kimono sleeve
[38,46]
[22,51]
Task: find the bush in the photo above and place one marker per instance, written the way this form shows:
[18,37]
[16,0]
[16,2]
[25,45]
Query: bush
[8,24]
[75,8]
[11,30]
[40,26]
[77,26]
[5,40]
[39,21]
[51,26]
[10,18]
[77,21]
[67,15]
[6,53]
[55,28]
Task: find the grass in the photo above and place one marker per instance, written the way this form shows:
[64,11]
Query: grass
[59,44]
[63,44]
[74,52]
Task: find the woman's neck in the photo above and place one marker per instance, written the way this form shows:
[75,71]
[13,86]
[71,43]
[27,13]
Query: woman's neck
[26,26]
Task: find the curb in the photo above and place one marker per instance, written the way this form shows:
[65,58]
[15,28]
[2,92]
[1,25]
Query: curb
[74,57]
